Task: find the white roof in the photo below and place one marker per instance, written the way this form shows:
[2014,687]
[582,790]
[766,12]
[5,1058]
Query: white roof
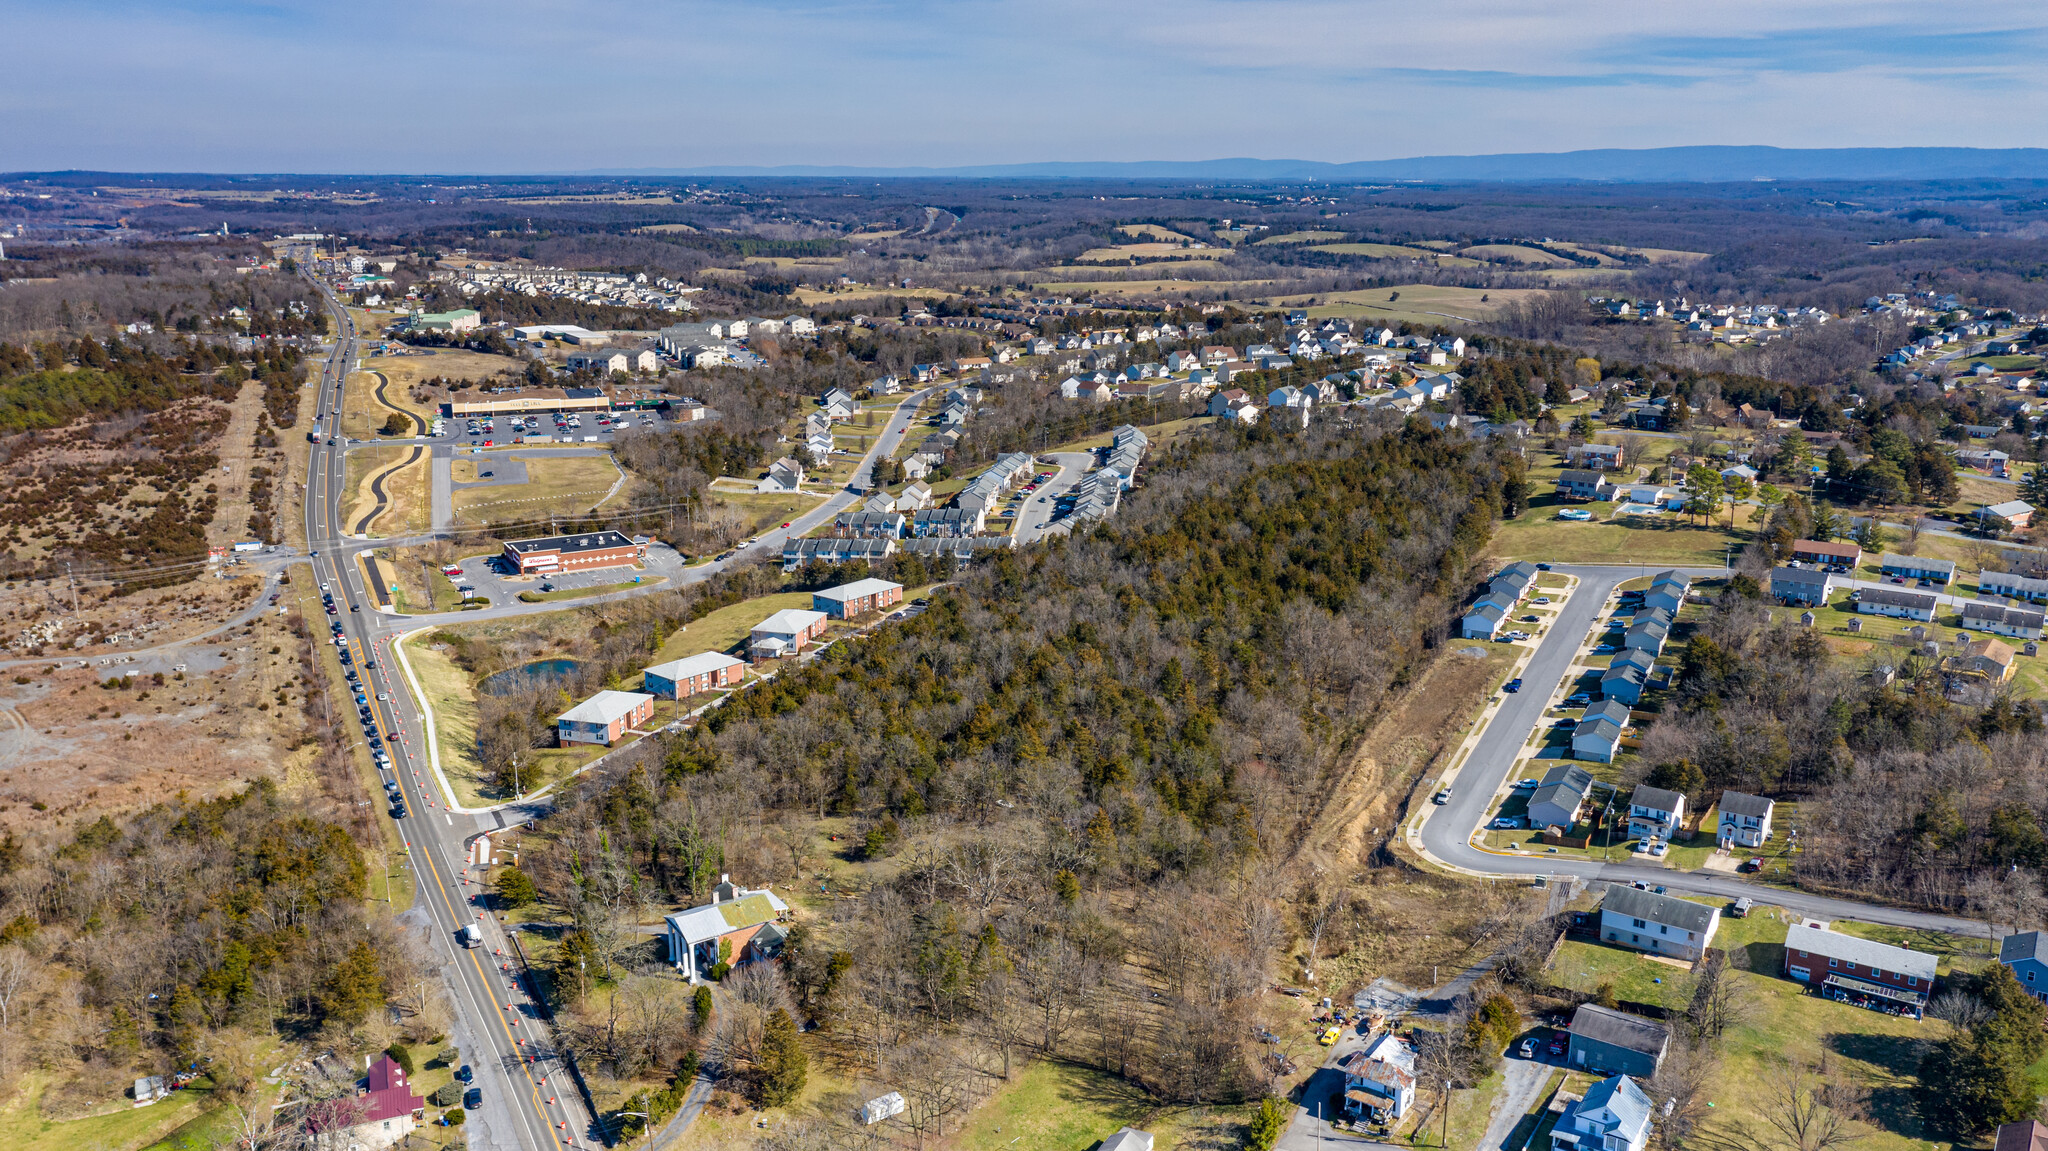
[788,621]
[691,666]
[606,707]
[857,589]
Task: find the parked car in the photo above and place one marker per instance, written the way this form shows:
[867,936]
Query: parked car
[1505,823]
[1577,699]
[1529,1048]
[1543,567]
[1558,1043]
[1741,908]
[1513,685]
[1441,797]
[1525,785]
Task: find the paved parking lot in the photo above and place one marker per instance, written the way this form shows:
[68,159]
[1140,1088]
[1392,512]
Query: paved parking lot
[505,433]
[486,574]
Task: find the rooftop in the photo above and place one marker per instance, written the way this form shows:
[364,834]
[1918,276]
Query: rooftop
[1666,909]
[691,666]
[606,707]
[596,541]
[857,590]
[1814,938]
[1620,1029]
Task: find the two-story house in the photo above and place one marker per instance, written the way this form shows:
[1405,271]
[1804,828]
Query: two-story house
[1379,1080]
[1613,1116]
[1583,484]
[1660,924]
[1745,820]
[1598,734]
[2027,954]
[1805,587]
[1655,814]
[1859,971]
[1560,795]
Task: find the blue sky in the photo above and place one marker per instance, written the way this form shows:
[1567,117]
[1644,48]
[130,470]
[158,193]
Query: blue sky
[555,85]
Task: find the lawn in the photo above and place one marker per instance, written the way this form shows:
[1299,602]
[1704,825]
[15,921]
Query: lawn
[582,592]
[453,699]
[1056,1105]
[1584,966]
[1157,433]
[726,629]
[1301,238]
[756,512]
[1515,253]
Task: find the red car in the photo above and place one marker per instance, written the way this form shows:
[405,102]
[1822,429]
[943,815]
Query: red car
[1557,1043]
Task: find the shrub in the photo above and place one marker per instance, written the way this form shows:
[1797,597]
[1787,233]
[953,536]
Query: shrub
[403,1057]
[1267,1124]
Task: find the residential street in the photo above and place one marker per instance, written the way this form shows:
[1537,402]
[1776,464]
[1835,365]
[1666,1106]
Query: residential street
[1445,832]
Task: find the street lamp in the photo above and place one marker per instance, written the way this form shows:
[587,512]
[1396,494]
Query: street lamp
[649,1125]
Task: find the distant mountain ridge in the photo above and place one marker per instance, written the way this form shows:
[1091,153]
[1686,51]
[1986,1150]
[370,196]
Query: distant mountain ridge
[1690,164]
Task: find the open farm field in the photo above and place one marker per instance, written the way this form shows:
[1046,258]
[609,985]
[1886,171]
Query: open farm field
[1398,252]
[1145,252]
[1423,303]
[1153,232]
[1515,253]
[1309,237]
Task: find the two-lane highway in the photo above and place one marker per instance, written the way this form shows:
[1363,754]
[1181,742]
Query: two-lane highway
[1446,832]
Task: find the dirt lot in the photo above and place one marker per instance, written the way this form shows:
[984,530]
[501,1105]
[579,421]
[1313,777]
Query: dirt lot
[124,735]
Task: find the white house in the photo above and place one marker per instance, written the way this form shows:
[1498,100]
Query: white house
[1659,924]
[737,927]
[1654,813]
[1614,1115]
[1379,1080]
[785,475]
[1745,820]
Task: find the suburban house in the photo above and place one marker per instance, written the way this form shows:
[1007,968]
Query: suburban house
[914,497]
[2027,954]
[1667,592]
[1234,404]
[2016,513]
[1598,734]
[1804,587]
[1379,1080]
[1857,970]
[784,475]
[2012,585]
[1659,924]
[1582,484]
[1557,799]
[1598,457]
[1613,1115]
[861,596]
[550,554]
[1482,619]
[1985,659]
[737,927]
[1651,628]
[785,633]
[1626,677]
[1917,568]
[1654,813]
[1745,820]
[692,675]
[603,718]
[833,550]
[1611,1041]
[382,1116]
[1827,553]
[1896,602]
[2003,619]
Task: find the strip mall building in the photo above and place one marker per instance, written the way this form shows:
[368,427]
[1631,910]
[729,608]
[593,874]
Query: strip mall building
[552,554]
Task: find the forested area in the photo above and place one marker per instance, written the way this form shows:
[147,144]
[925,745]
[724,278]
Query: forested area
[1084,760]
[192,930]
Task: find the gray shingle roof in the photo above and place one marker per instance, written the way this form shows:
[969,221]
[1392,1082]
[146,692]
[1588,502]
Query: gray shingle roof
[1655,798]
[1895,597]
[2026,945]
[1620,1029]
[1743,803]
[1666,909]
[1621,1096]
[1798,576]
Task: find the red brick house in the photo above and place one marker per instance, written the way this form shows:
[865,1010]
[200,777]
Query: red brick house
[1861,971]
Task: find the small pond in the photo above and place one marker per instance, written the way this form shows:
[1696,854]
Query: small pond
[537,674]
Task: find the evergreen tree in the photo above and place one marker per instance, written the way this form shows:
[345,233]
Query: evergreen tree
[516,888]
[355,987]
[1977,1080]
[783,1062]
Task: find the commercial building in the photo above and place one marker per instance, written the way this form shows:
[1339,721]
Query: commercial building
[550,554]
[604,717]
[692,675]
[533,400]
[857,598]
[459,320]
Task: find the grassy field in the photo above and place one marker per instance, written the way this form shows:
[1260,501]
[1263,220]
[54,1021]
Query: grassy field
[1398,252]
[1053,282]
[555,485]
[2002,363]
[755,512]
[1153,232]
[409,509]
[1666,539]
[1157,433]
[1053,1105]
[1145,252]
[117,1126]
